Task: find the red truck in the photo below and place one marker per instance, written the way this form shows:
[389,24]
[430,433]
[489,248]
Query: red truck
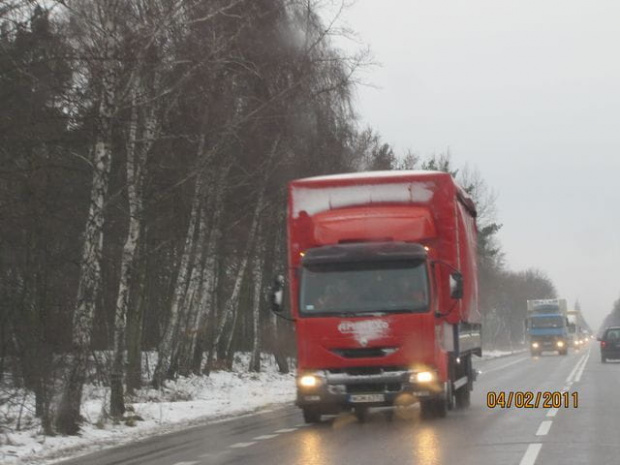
[383,292]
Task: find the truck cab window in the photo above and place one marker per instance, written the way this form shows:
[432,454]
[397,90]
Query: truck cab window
[399,286]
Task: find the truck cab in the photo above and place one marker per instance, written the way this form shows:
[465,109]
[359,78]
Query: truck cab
[548,332]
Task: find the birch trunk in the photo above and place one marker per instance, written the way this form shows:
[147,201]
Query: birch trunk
[233,301]
[135,321]
[198,282]
[257,281]
[280,259]
[227,354]
[136,163]
[164,362]
[209,277]
[68,413]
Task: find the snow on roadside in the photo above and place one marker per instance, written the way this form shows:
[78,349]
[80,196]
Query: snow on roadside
[489,354]
[184,402]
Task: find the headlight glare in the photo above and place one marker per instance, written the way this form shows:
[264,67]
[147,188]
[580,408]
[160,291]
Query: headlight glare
[308,381]
[423,377]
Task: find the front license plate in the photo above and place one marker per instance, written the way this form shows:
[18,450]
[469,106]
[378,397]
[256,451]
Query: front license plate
[364,398]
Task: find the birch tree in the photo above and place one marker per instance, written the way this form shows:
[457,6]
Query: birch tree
[105,37]
[136,156]
[257,299]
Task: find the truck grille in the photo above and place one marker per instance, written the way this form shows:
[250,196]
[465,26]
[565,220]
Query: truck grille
[360,380]
[372,352]
[367,371]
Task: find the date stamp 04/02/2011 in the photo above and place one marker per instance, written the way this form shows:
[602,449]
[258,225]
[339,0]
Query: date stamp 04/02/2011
[531,399]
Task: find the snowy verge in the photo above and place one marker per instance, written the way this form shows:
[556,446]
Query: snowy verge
[182,403]
[491,354]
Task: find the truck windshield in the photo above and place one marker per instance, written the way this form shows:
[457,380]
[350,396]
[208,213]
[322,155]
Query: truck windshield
[354,288]
[548,322]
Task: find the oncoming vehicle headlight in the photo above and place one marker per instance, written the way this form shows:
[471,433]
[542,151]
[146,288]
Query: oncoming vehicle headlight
[309,381]
[422,377]
[535,345]
[560,344]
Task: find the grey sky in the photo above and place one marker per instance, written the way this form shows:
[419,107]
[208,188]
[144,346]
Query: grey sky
[528,92]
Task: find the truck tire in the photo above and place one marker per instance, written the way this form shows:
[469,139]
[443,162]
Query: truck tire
[311,415]
[564,352]
[361,413]
[441,407]
[462,397]
[427,408]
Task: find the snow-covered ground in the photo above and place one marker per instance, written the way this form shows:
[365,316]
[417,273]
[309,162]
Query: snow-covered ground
[182,403]
[488,354]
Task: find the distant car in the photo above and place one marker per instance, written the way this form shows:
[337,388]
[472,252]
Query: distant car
[610,344]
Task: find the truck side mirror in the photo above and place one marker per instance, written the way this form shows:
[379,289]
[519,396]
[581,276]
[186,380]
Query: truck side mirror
[277,294]
[456,285]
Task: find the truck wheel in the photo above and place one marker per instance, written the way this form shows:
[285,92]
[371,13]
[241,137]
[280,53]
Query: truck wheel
[427,408]
[564,352]
[450,400]
[311,415]
[463,397]
[361,413]
[441,407]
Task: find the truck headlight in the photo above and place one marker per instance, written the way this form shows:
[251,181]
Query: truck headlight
[422,377]
[535,345]
[560,344]
[309,381]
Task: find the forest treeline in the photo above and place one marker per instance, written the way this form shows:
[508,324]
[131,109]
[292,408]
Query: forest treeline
[145,148]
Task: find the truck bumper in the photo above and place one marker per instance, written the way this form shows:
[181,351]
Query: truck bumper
[335,392]
[551,344]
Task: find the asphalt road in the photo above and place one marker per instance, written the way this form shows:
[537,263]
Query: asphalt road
[588,433]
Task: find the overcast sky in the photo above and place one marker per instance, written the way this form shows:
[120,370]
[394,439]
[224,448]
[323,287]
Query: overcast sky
[526,91]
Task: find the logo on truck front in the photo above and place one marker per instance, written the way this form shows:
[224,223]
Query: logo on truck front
[365,331]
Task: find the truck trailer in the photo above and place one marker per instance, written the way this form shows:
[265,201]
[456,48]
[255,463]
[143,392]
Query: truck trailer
[383,291]
[547,326]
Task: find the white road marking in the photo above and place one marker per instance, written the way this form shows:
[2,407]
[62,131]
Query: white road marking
[552,412]
[583,365]
[213,455]
[240,445]
[572,373]
[301,425]
[186,463]
[505,366]
[265,436]
[529,458]
[544,428]
[286,430]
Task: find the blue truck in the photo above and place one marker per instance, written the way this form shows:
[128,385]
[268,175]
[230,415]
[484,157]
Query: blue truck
[547,326]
